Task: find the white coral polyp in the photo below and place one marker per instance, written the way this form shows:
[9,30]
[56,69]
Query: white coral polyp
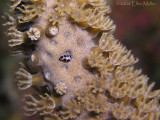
[34,33]
[61,88]
[53,30]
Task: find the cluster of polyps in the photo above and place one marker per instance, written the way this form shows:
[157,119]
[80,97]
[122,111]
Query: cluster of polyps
[69,47]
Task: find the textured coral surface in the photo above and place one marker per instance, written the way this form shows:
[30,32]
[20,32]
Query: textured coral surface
[74,68]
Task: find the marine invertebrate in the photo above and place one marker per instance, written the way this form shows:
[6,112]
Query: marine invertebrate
[34,60]
[25,79]
[96,104]
[69,46]
[108,43]
[62,7]
[122,111]
[14,3]
[44,104]
[18,37]
[53,117]
[35,32]
[96,58]
[10,20]
[118,89]
[124,74]
[126,59]
[78,13]
[52,31]
[82,95]
[29,12]
[73,109]
[97,85]
[65,58]
[61,88]
[55,17]
[99,21]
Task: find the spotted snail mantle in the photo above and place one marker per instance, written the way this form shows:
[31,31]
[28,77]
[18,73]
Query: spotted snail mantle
[69,46]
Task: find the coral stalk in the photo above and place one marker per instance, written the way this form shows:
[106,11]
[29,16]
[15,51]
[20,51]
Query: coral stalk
[89,79]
